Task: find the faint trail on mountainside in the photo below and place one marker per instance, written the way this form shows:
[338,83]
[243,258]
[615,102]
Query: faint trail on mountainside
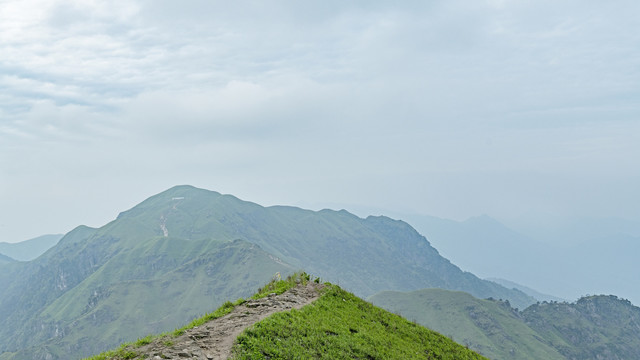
[214,340]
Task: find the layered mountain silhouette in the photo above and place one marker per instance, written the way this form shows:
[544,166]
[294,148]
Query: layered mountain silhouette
[29,249]
[182,252]
[592,328]
[5,259]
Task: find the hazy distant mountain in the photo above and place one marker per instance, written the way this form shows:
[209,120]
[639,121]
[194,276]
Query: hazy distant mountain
[593,328]
[29,249]
[182,252]
[567,269]
[527,290]
[5,259]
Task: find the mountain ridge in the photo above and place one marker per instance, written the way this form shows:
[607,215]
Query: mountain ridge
[187,249]
[591,328]
[29,249]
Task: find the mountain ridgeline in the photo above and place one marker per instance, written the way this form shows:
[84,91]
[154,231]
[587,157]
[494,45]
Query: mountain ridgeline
[594,327]
[29,249]
[182,252]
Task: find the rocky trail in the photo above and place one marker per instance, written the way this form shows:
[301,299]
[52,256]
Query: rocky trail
[214,340]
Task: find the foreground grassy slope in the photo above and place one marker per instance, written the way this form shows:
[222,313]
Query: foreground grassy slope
[340,325]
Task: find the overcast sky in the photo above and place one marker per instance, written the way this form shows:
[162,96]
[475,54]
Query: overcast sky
[447,108]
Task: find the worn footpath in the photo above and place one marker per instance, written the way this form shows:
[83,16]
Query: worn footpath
[214,340]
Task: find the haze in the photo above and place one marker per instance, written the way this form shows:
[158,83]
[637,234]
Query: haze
[449,108]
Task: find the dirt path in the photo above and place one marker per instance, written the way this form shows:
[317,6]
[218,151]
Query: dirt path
[213,340]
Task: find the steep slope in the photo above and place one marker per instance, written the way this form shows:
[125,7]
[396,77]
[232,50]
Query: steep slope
[595,327]
[336,325]
[86,296]
[29,249]
[492,328]
[184,249]
[365,255]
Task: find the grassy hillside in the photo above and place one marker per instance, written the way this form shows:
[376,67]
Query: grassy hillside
[338,325]
[595,327]
[491,328]
[363,255]
[183,250]
[91,295]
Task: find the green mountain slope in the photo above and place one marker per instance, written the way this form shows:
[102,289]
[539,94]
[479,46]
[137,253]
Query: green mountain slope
[183,250]
[364,255]
[597,327]
[29,249]
[87,296]
[491,328]
[339,325]
[334,324]
[594,327]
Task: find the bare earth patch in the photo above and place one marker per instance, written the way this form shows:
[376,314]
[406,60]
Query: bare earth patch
[214,339]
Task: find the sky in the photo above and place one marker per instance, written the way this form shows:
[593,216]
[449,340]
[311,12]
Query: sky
[445,108]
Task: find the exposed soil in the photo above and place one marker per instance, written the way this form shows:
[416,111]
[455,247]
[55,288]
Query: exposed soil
[214,339]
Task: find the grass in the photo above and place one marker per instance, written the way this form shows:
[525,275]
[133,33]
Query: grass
[277,285]
[340,325]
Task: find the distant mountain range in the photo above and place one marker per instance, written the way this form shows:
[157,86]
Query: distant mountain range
[182,252]
[593,328]
[5,259]
[598,258]
[29,249]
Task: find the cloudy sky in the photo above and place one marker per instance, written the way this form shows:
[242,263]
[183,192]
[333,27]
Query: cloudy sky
[447,108]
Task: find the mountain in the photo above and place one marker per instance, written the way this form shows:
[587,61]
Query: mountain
[589,256]
[527,290]
[29,249]
[302,319]
[185,250]
[594,327]
[5,259]
[487,248]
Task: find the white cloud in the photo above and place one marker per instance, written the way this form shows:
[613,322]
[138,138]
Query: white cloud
[425,100]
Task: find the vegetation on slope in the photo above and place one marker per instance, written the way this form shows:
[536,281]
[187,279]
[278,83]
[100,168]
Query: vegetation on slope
[491,328]
[341,326]
[595,327]
[186,249]
[336,326]
[130,350]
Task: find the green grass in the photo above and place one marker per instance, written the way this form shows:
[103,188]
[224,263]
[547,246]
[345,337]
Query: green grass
[489,327]
[276,285]
[340,325]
